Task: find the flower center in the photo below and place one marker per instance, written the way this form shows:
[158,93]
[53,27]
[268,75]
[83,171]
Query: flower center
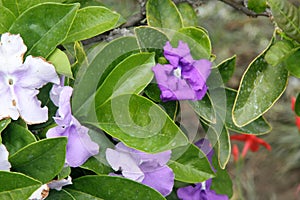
[10,81]
[177,72]
[203,184]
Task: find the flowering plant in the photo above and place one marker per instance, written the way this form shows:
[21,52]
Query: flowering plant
[89,119]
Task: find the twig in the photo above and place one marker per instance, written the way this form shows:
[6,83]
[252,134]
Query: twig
[244,9]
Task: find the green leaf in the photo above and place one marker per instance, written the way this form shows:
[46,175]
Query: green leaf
[190,164]
[196,38]
[287,17]
[291,63]
[98,163]
[189,16]
[297,105]
[6,19]
[111,187]
[204,108]
[257,6]
[16,185]
[163,14]
[150,39]
[227,68]
[260,87]
[219,138]
[279,51]
[19,6]
[16,137]
[62,194]
[221,183]
[139,123]
[3,124]
[42,160]
[91,21]
[107,57]
[81,60]
[61,63]
[132,75]
[258,126]
[42,34]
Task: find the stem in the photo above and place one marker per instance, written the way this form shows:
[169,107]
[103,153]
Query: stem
[244,9]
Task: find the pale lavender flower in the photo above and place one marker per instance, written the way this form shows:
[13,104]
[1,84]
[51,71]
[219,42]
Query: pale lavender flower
[184,78]
[41,193]
[19,82]
[148,169]
[201,191]
[4,163]
[80,146]
[58,184]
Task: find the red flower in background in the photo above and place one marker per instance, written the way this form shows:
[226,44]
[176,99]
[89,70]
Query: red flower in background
[297,118]
[251,142]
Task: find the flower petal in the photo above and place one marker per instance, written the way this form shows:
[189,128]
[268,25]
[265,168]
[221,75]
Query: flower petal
[173,55]
[12,49]
[37,72]
[4,164]
[64,113]
[123,161]
[80,146]
[189,192]
[7,107]
[58,184]
[56,90]
[29,106]
[161,179]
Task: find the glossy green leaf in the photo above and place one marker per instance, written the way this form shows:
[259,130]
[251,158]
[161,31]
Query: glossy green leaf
[196,38]
[6,19]
[163,14]
[257,6]
[297,105]
[16,185]
[150,38]
[139,123]
[91,21]
[3,124]
[260,87]
[111,187]
[114,52]
[227,68]
[44,26]
[16,137]
[258,126]
[189,16]
[278,52]
[132,75]
[98,163]
[19,6]
[81,60]
[287,17]
[42,160]
[60,195]
[291,63]
[204,108]
[190,164]
[61,63]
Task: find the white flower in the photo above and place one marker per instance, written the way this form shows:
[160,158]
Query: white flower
[40,193]
[19,82]
[4,164]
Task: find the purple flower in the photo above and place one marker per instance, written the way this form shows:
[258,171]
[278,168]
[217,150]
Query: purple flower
[19,82]
[201,191]
[184,78]
[148,169]
[80,146]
